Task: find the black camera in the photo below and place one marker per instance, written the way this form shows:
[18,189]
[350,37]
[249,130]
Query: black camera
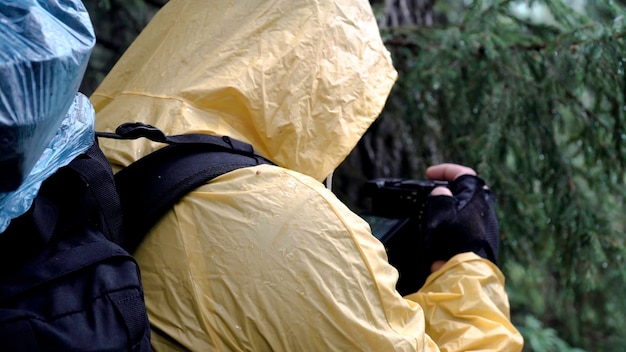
[397,217]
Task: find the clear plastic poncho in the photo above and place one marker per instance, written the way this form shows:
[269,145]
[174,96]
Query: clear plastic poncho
[44,123]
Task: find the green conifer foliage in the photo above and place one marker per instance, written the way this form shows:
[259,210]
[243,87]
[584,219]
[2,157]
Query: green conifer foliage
[538,108]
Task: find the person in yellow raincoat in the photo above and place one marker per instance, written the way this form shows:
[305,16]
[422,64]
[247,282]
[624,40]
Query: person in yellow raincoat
[266,258]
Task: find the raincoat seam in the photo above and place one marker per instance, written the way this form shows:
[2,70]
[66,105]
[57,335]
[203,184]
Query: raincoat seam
[143,94]
[367,264]
[195,290]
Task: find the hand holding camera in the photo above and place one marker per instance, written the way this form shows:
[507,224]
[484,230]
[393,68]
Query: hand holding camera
[425,223]
[460,218]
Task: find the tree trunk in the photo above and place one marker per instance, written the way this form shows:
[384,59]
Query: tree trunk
[407,13]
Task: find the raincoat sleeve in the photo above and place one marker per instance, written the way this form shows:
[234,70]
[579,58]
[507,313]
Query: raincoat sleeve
[466,307]
[464,304]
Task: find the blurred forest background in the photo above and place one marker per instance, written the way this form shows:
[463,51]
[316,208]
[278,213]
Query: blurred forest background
[532,94]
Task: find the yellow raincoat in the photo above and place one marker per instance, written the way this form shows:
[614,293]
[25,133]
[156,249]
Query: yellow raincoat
[265,258]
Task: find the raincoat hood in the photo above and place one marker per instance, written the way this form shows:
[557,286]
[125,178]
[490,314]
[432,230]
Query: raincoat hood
[300,80]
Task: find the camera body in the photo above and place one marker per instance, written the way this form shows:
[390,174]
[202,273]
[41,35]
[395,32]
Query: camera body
[397,217]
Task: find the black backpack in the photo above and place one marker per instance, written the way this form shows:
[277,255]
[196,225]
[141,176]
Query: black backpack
[67,279]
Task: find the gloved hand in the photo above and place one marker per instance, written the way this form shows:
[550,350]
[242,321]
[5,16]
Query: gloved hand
[462,222]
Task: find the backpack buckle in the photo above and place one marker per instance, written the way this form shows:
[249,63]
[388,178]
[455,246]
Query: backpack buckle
[134,130]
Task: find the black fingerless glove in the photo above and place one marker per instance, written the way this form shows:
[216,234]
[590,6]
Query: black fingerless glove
[465,222]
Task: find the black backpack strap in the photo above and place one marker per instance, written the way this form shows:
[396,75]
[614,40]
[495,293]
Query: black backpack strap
[135,130]
[96,171]
[149,187]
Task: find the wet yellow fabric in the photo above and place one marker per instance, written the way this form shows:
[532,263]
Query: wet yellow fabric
[302,87]
[265,258]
